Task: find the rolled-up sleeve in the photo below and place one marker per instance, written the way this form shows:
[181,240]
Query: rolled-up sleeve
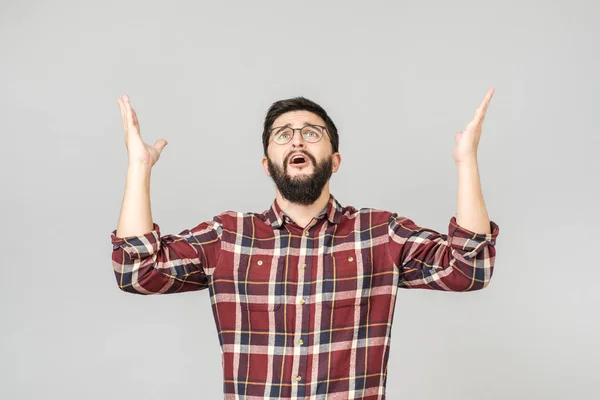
[460,260]
[173,263]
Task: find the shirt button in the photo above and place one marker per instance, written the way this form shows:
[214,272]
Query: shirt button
[306,233]
[302,301]
[350,259]
[300,342]
[259,262]
[298,378]
[303,265]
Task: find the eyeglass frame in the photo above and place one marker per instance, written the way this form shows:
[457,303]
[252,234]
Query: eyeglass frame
[294,133]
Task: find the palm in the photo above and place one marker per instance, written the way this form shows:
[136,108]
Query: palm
[138,151]
[467,141]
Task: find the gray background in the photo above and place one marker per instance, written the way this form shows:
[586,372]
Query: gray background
[399,79]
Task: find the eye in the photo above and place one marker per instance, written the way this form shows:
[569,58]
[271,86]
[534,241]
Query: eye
[310,131]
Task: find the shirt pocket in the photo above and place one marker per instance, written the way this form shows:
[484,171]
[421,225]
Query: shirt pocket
[347,278]
[260,282]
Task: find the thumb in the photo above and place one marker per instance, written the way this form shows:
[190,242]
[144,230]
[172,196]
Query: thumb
[160,144]
[457,137]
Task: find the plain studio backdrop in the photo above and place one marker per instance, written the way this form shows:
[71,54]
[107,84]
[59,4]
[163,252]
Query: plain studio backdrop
[399,79]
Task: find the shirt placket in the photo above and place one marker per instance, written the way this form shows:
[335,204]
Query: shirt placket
[303,305]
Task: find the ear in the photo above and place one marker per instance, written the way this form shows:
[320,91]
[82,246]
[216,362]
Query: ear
[337,160]
[265,165]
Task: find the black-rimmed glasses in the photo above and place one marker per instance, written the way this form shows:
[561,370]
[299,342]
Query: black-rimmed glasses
[310,133]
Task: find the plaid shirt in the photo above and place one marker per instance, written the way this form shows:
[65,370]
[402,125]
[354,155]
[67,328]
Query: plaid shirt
[304,313]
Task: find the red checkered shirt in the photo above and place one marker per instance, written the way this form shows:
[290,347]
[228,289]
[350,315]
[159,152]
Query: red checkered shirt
[305,313]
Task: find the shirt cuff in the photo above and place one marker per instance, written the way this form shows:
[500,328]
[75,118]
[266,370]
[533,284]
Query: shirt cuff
[138,246]
[468,242]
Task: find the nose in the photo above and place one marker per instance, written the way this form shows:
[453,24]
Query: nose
[297,140]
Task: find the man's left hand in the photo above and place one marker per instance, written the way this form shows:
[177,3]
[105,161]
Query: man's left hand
[467,141]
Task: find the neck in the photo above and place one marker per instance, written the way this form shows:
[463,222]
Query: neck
[302,214]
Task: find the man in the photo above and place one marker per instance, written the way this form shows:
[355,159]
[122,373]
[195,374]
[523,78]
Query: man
[303,293]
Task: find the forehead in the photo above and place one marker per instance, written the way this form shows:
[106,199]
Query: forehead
[298,119]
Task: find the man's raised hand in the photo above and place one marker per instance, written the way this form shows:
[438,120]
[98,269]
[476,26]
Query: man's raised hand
[467,141]
[139,152]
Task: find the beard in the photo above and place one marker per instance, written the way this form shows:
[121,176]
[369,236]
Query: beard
[301,189]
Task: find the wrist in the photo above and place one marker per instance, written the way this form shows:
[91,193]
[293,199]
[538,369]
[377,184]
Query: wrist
[469,162]
[136,168]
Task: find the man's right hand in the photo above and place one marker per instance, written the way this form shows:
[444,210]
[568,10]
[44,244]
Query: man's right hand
[138,151]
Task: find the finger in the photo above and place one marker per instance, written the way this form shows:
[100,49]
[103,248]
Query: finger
[482,109]
[479,116]
[129,114]
[487,99]
[122,110]
[136,122]
[160,144]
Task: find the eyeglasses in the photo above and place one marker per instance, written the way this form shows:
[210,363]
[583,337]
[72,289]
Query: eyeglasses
[310,133]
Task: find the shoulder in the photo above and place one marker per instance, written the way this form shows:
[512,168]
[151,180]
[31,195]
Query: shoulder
[232,218]
[367,215]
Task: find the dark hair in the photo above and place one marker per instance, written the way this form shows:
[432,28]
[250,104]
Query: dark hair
[296,104]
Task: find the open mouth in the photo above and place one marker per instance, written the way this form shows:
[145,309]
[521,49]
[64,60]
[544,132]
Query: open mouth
[298,160]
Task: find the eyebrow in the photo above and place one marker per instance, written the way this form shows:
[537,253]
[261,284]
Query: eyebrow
[289,125]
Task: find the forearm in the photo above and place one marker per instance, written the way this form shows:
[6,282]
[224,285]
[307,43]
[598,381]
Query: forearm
[135,218]
[471,211]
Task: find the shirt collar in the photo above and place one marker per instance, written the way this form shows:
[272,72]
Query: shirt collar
[333,211]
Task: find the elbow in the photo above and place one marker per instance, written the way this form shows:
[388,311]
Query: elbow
[470,271]
[477,279]
[125,285]
[130,278]
[131,289]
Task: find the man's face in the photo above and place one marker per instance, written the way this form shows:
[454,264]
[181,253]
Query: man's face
[300,183]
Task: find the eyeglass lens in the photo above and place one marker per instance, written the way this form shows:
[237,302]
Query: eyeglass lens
[310,133]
